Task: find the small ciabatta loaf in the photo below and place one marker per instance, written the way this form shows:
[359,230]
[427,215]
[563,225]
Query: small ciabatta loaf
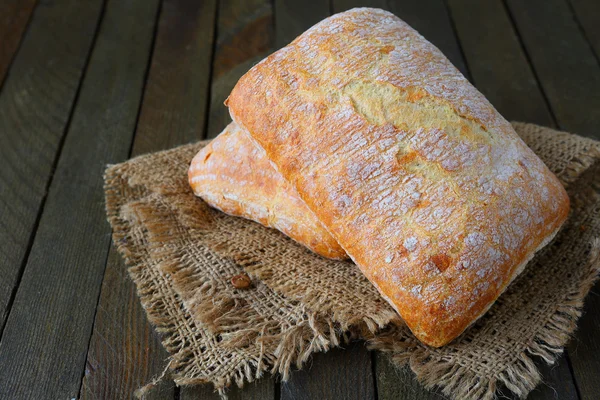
[427,188]
[233,175]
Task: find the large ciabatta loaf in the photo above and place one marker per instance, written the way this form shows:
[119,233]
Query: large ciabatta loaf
[427,188]
[235,176]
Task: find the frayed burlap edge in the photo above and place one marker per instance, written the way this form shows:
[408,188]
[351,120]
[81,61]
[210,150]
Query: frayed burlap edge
[167,313]
[283,343]
[163,307]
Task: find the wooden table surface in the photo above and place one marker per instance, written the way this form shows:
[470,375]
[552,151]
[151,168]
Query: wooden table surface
[90,83]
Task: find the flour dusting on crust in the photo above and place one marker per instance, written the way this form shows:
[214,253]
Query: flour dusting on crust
[386,142]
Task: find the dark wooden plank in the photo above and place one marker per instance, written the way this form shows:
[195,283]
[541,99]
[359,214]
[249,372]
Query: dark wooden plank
[585,347]
[176,101]
[43,349]
[343,5]
[557,382]
[221,87]
[563,61]
[570,75]
[125,352]
[337,374]
[431,19]
[294,17]
[35,103]
[399,383]
[497,63]
[203,392]
[245,30]
[14,15]
[244,36]
[501,71]
[393,383]
[342,373]
[263,389]
[588,15]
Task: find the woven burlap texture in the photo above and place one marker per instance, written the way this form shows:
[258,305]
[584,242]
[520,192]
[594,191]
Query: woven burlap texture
[182,254]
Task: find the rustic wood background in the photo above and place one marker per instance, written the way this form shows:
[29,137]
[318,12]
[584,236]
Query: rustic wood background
[89,83]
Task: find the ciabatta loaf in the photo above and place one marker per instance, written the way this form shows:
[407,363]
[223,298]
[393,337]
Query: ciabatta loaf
[427,188]
[234,175]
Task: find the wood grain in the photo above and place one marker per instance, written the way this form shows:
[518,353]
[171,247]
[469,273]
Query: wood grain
[14,15]
[399,383]
[35,103]
[294,17]
[563,61]
[585,347]
[176,100]
[557,382]
[221,87]
[344,5]
[263,389]
[497,63]
[125,352]
[341,373]
[587,13]
[478,39]
[431,19]
[570,75]
[500,70]
[245,30]
[245,36]
[43,349]
[331,373]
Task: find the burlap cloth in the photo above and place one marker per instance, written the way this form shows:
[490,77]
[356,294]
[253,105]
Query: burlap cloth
[182,254]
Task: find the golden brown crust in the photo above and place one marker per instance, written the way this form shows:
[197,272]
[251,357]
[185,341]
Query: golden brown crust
[421,181]
[234,175]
